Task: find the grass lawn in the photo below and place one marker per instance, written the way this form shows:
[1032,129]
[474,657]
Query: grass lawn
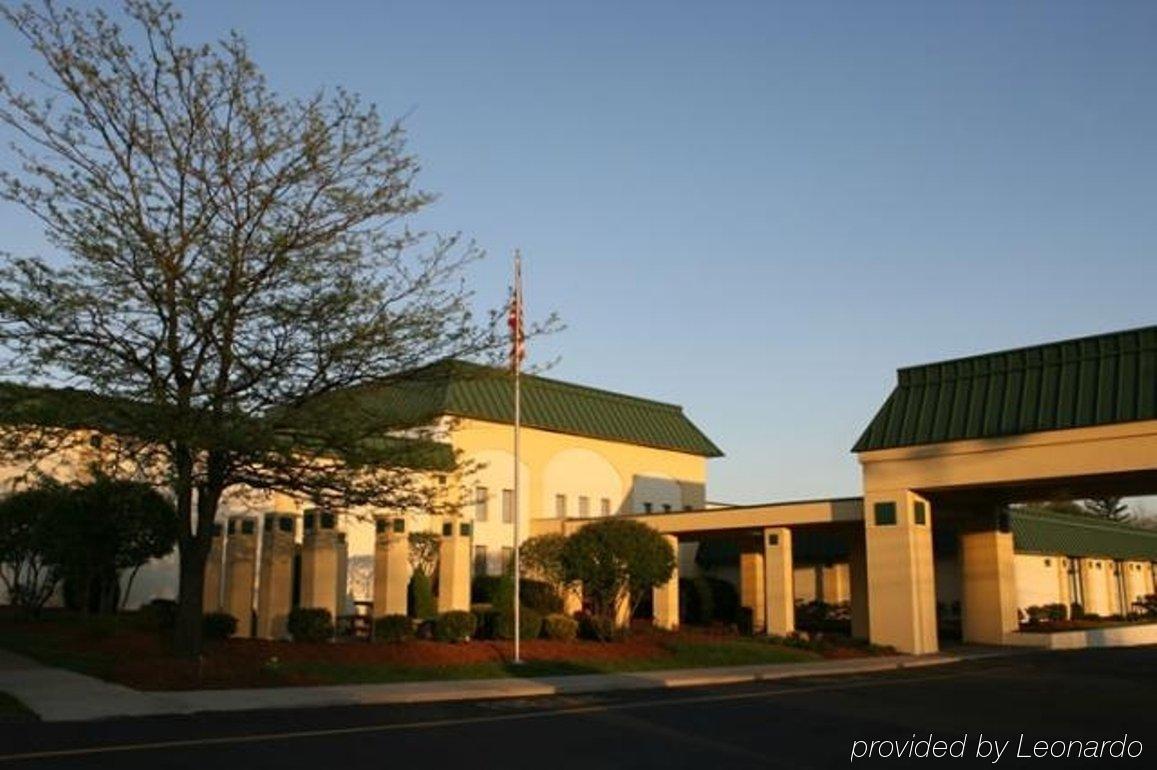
[117,650]
[12,710]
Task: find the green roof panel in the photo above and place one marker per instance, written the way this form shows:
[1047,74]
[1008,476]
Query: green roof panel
[1108,378]
[1050,532]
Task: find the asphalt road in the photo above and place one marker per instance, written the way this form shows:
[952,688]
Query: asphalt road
[1089,695]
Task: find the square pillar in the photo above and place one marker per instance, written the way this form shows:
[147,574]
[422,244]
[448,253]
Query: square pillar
[391,565]
[319,561]
[778,588]
[275,586]
[858,580]
[454,565]
[240,571]
[901,582]
[751,583]
[211,590]
[988,586]
[665,598]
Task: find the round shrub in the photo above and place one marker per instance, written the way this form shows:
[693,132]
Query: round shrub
[218,625]
[393,628]
[596,628]
[455,626]
[310,624]
[560,628]
[529,622]
[158,615]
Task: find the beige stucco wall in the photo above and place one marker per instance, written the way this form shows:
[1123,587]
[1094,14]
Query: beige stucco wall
[1038,579]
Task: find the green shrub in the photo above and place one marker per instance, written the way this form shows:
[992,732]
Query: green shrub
[529,622]
[483,588]
[218,625]
[455,626]
[724,599]
[1076,611]
[421,596]
[696,601]
[598,628]
[310,624]
[393,628]
[487,620]
[560,628]
[540,596]
[157,615]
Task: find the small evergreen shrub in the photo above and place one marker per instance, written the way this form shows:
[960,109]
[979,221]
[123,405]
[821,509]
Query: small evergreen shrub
[421,596]
[393,628]
[560,628]
[310,624]
[529,622]
[218,625]
[598,628]
[455,626]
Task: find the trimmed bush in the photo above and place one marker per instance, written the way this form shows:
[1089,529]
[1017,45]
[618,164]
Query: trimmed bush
[393,628]
[529,621]
[310,624]
[540,596]
[560,628]
[218,625]
[421,597]
[483,588]
[598,628]
[455,626]
[158,615]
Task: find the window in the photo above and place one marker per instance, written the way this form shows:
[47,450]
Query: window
[507,506]
[560,506]
[920,513]
[885,514]
[507,558]
[480,565]
[647,507]
[584,506]
[605,506]
[481,503]
[399,525]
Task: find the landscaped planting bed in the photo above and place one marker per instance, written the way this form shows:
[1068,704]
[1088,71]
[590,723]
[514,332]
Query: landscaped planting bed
[113,649]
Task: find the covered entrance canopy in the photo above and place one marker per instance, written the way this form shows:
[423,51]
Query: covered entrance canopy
[960,439]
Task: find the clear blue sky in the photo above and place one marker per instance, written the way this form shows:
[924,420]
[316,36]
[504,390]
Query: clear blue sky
[760,210]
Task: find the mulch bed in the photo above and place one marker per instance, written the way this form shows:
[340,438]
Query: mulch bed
[141,659]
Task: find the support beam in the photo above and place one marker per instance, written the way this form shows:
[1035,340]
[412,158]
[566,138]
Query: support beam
[275,586]
[901,582]
[391,565]
[752,584]
[665,598]
[454,564]
[319,561]
[778,588]
[240,572]
[988,586]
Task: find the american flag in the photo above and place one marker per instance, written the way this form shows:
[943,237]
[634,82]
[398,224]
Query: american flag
[514,319]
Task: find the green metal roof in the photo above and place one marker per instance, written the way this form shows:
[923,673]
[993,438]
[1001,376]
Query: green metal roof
[468,390]
[1108,378]
[1036,531]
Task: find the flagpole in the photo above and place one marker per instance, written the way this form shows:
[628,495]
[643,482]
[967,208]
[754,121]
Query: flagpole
[517,450]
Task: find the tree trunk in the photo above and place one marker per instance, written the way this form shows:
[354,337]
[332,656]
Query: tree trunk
[187,634]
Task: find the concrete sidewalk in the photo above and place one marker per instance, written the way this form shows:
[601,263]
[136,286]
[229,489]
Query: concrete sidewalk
[58,695]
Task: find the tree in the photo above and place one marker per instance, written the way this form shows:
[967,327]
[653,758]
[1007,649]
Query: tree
[114,525]
[1110,508]
[232,265]
[424,547]
[541,557]
[616,559]
[30,564]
